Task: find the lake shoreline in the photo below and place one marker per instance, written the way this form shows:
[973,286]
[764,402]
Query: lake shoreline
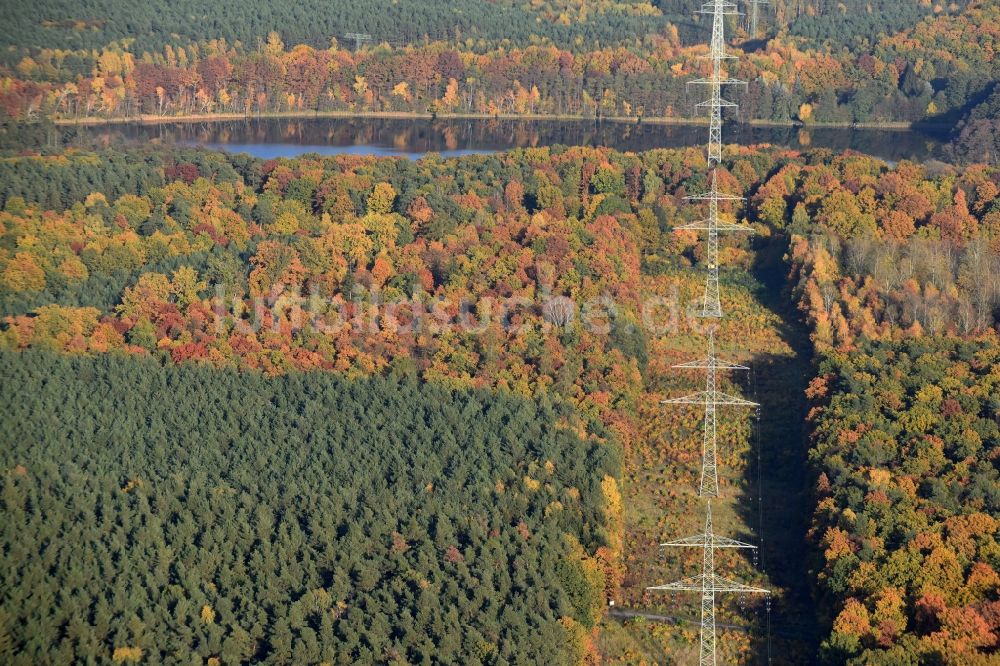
[410,135]
[156,119]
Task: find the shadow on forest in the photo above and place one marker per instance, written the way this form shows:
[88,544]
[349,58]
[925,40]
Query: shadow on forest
[777,479]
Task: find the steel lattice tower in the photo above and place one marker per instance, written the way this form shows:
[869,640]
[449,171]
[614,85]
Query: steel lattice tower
[711,398]
[754,16]
[359,38]
[708,583]
[719,9]
[711,305]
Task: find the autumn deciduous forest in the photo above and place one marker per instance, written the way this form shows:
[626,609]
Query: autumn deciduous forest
[191,263]
[348,409]
[905,526]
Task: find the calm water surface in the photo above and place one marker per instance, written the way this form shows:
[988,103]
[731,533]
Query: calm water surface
[269,138]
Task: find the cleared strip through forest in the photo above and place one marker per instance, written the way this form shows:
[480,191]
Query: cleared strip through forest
[763,331]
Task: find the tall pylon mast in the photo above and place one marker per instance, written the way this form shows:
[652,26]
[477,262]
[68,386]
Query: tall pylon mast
[711,303]
[711,398]
[718,9]
[754,16]
[708,583]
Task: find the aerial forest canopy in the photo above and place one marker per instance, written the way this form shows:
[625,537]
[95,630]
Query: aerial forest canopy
[145,238]
[855,62]
[96,23]
[216,279]
[93,24]
[183,512]
[908,515]
[348,409]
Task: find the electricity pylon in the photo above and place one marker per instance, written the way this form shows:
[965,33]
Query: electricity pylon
[719,9]
[754,16]
[711,305]
[359,38]
[708,583]
[711,398]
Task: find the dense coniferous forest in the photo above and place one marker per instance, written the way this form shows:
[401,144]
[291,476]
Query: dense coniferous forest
[160,514]
[96,23]
[93,24]
[856,24]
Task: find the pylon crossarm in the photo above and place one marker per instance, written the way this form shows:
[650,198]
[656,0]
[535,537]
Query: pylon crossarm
[691,584]
[721,82]
[711,363]
[699,398]
[704,397]
[721,103]
[714,196]
[711,583]
[720,584]
[697,541]
[717,56]
[726,399]
[705,225]
[722,7]
[726,542]
[701,540]
[726,9]
[734,12]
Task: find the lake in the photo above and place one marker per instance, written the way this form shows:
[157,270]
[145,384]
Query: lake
[412,138]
